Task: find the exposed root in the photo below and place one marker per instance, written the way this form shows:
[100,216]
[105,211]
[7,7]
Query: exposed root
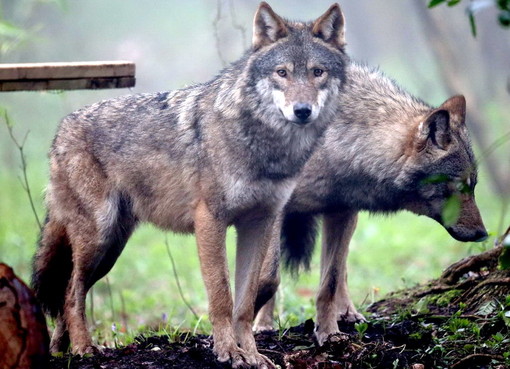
[474,263]
[476,359]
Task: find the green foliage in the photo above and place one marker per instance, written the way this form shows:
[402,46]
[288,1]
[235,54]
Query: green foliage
[502,5]
[472,22]
[434,3]
[452,206]
[436,179]
[11,36]
[361,328]
[422,306]
[504,258]
[283,325]
[451,210]
[444,299]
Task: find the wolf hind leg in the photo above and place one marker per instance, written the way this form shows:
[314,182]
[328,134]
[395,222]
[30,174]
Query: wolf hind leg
[268,282]
[114,236]
[60,338]
[333,299]
[264,320]
[52,267]
[97,243]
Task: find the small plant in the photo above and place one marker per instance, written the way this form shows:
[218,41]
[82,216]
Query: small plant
[361,328]
[498,340]
[504,258]
[114,334]
[283,326]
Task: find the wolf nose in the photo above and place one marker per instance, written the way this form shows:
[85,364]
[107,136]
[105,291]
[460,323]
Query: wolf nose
[480,236]
[302,111]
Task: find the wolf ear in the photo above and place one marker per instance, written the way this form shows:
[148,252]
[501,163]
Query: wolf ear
[456,107]
[331,27]
[268,27]
[435,130]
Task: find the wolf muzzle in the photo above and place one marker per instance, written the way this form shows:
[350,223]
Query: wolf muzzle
[302,111]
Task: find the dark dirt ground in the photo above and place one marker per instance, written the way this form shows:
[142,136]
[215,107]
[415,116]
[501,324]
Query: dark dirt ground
[461,320]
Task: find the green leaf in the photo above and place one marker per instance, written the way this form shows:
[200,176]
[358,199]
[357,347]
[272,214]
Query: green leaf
[9,30]
[504,258]
[488,308]
[504,18]
[422,306]
[361,327]
[472,23]
[453,2]
[504,4]
[436,178]
[451,210]
[434,3]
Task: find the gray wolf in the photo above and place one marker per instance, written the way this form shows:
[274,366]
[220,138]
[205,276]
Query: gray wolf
[386,151]
[225,152]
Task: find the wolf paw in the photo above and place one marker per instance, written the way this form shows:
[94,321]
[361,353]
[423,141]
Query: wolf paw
[261,361]
[243,359]
[86,350]
[351,316]
[348,313]
[257,328]
[322,335]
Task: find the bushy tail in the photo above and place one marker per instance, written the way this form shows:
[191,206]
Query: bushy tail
[299,232]
[52,267]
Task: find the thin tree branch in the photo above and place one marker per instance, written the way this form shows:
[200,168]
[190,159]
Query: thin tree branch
[177,279]
[216,22]
[24,181]
[236,25]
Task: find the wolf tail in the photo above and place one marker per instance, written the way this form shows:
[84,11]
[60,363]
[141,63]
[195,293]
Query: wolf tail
[299,232]
[52,267]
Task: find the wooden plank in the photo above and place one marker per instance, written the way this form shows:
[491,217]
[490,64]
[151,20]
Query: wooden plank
[66,70]
[67,84]
[67,76]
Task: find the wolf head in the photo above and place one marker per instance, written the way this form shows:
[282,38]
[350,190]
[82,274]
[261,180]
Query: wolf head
[445,171]
[297,67]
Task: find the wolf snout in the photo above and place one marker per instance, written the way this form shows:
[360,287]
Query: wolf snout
[302,111]
[465,234]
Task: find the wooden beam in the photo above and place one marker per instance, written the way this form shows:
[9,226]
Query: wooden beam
[67,76]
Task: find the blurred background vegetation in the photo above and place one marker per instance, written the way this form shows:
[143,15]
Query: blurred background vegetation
[430,52]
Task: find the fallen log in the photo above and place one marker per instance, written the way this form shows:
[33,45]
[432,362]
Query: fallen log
[24,341]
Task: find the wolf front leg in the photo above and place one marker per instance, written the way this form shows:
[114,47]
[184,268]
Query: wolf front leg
[210,233]
[253,238]
[333,301]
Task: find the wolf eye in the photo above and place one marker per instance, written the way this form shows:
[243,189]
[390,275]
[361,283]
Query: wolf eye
[282,73]
[317,72]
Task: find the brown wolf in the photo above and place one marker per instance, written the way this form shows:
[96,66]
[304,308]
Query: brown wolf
[226,152]
[386,151]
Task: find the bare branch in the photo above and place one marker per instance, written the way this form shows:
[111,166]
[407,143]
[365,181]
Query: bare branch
[177,279]
[109,288]
[236,25]
[24,181]
[216,22]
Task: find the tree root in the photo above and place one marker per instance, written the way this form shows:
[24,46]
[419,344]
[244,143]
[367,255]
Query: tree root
[474,263]
[468,284]
[476,359]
